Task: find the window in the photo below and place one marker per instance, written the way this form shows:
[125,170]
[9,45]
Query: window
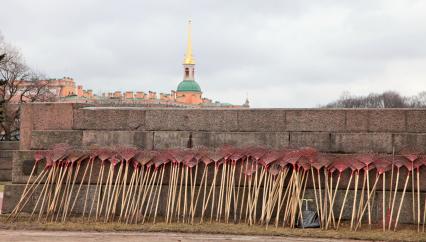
[186,72]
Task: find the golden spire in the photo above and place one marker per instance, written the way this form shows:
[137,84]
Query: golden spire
[189,60]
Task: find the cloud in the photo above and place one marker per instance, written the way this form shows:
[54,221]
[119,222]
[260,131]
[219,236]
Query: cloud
[282,53]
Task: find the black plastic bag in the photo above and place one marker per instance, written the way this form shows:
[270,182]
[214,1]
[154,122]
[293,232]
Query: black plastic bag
[310,220]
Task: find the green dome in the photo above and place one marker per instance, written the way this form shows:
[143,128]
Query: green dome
[188,86]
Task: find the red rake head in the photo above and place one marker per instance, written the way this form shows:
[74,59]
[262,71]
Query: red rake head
[75,155]
[149,158]
[191,163]
[308,152]
[282,160]
[127,152]
[206,160]
[206,157]
[190,158]
[355,163]
[400,161]
[93,153]
[49,159]
[323,161]
[411,153]
[311,156]
[39,156]
[178,155]
[139,156]
[411,157]
[218,157]
[418,163]
[188,155]
[226,151]
[256,153]
[382,164]
[292,157]
[340,164]
[60,151]
[304,163]
[367,159]
[236,155]
[198,156]
[270,157]
[103,154]
[162,158]
[143,157]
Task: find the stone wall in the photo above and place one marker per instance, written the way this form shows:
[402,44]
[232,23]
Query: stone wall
[7,149]
[339,131]
[329,130]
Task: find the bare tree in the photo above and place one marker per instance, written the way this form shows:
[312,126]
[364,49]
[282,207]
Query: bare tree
[418,101]
[389,99]
[393,100]
[18,84]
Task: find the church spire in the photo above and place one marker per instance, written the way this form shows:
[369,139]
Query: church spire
[189,60]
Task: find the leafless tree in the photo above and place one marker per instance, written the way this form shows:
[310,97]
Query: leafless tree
[389,99]
[18,84]
[418,101]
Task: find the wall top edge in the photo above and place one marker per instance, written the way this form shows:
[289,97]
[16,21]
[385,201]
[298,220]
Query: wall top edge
[123,107]
[255,109]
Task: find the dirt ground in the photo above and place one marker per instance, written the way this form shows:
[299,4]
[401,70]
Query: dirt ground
[77,228]
[36,236]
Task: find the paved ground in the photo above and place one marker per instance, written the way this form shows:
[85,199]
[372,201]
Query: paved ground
[26,235]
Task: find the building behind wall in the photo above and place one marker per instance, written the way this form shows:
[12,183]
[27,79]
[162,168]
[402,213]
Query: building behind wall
[187,94]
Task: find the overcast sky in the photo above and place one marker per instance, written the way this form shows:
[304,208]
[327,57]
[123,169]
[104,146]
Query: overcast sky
[283,53]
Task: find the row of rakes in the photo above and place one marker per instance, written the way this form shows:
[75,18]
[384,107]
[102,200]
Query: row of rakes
[251,185]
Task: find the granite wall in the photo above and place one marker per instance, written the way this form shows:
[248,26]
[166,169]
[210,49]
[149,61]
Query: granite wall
[338,131]
[7,148]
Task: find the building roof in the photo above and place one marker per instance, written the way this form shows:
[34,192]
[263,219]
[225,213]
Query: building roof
[188,86]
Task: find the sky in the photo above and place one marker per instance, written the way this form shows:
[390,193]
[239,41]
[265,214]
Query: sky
[278,53]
